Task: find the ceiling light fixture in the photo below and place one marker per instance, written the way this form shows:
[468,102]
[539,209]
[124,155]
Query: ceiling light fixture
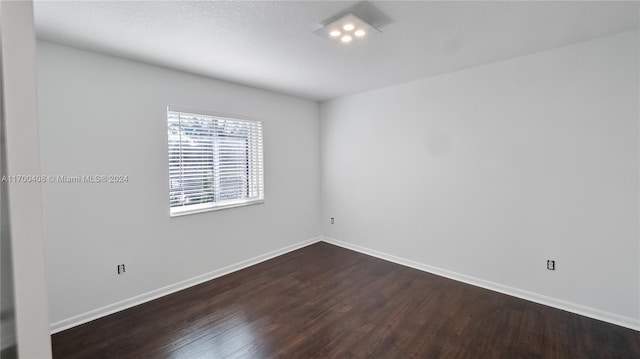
[347,29]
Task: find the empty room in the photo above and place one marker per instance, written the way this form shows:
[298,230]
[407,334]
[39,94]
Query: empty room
[320,179]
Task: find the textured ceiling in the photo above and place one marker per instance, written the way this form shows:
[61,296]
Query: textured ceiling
[271,45]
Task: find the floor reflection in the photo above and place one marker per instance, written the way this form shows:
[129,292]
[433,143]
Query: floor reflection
[222,340]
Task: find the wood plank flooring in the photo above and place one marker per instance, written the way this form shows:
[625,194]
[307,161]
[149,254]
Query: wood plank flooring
[324,301]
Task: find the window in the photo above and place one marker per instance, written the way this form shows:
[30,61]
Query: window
[214,162]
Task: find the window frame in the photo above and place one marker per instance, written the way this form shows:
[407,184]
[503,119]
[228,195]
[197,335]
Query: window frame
[178,211]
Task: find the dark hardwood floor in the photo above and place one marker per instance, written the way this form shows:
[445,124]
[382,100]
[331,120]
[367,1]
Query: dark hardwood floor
[323,301]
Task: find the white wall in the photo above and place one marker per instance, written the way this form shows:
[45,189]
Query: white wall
[22,223]
[482,174]
[104,115]
[490,171]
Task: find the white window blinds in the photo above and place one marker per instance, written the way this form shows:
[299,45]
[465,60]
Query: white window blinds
[214,162]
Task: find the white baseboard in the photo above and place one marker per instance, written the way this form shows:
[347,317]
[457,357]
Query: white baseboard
[613,318]
[523,294]
[172,288]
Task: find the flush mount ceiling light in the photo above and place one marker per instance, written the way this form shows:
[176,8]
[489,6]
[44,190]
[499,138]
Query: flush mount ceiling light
[347,29]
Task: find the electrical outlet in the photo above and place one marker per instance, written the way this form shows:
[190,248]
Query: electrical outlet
[332,220]
[121,268]
[551,264]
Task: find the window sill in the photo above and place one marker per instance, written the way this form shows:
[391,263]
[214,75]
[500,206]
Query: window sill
[178,211]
